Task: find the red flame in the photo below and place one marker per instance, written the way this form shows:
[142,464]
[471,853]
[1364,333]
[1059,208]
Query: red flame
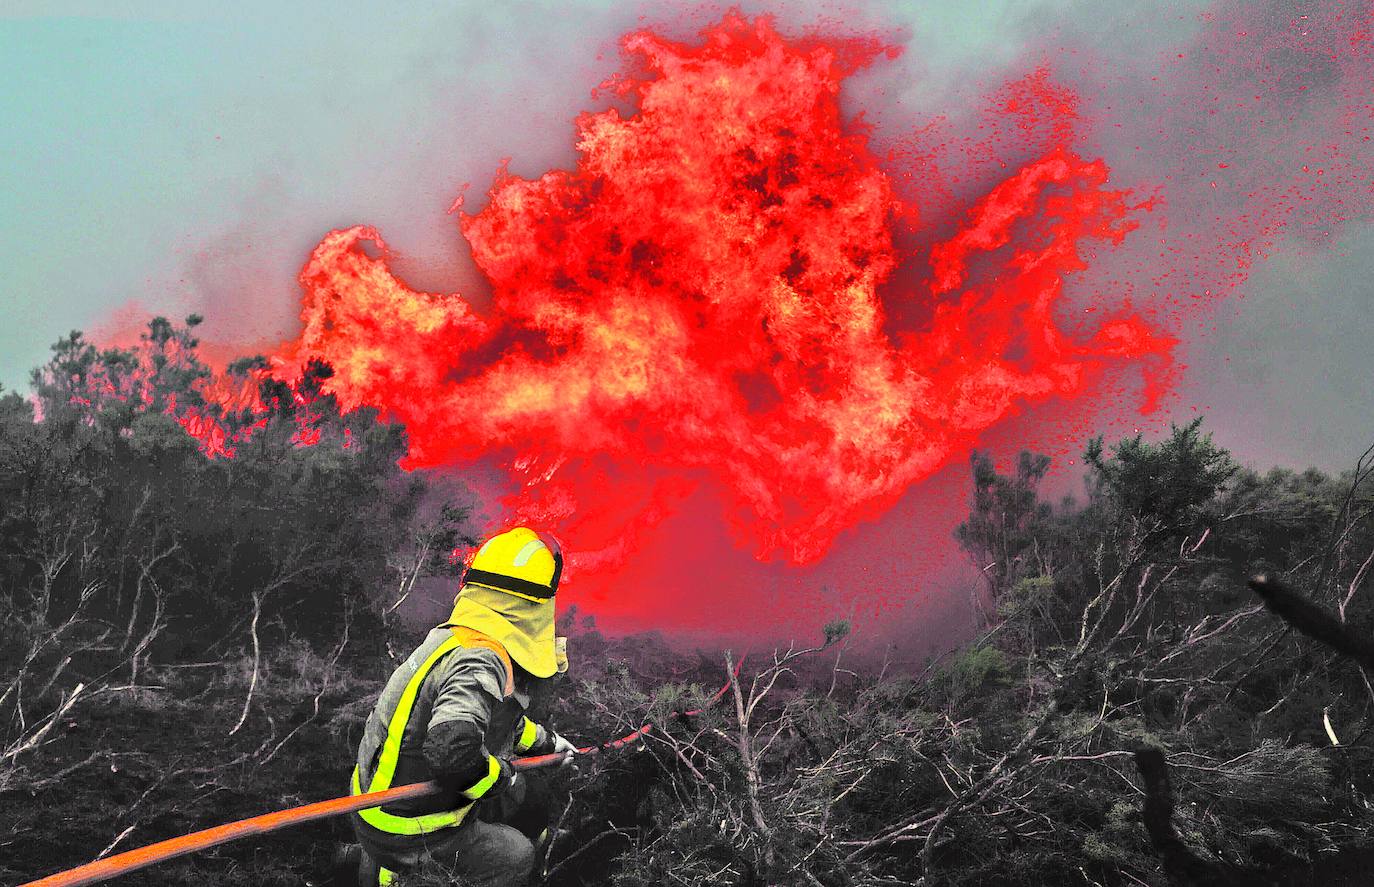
[698,302]
[737,301]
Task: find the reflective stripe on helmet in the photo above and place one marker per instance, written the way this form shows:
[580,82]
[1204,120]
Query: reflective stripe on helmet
[522,557]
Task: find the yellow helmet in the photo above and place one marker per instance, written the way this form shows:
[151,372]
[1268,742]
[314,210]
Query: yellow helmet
[508,595]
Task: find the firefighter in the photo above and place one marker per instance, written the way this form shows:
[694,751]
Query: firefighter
[455,713]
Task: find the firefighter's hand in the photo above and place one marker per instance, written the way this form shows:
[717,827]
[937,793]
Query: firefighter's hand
[511,784]
[563,747]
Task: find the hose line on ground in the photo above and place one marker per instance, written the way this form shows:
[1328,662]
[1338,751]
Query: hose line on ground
[142,857]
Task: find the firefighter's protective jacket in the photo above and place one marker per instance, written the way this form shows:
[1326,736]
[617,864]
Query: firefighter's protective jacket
[452,713]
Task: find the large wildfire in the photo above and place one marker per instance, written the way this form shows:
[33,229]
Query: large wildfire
[698,302]
[736,297]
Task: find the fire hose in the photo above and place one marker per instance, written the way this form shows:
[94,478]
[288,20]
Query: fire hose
[142,857]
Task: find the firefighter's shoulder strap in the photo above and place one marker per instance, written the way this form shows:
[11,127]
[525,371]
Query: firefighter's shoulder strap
[471,637]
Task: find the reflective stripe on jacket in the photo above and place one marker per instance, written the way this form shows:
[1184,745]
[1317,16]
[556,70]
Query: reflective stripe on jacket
[455,674]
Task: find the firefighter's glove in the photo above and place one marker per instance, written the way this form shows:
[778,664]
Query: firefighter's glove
[565,748]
